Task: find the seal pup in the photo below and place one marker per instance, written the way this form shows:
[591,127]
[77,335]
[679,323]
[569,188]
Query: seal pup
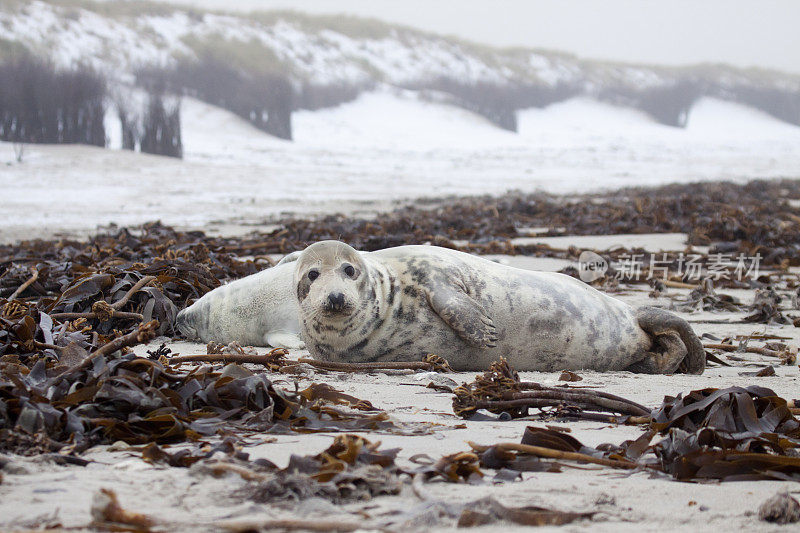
[257,310]
[401,303]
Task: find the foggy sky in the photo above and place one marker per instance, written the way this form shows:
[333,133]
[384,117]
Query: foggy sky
[762,33]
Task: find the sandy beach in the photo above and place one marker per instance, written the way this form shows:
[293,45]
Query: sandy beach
[36,491]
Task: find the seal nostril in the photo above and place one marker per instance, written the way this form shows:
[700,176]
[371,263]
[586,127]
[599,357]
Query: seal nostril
[336,300]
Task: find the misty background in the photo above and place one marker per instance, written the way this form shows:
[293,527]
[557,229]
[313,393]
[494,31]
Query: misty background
[214,113]
[742,33]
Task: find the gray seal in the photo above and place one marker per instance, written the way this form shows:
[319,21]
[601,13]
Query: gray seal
[401,303]
[258,310]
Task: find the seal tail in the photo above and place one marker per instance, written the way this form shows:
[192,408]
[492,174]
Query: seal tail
[660,322]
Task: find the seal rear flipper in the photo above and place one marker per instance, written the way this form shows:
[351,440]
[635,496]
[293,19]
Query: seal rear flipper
[464,315]
[679,348]
[666,355]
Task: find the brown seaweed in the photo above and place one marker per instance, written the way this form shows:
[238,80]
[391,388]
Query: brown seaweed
[352,468]
[139,400]
[728,434]
[489,510]
[499,390]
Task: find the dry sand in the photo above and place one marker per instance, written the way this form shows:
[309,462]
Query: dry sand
[624,501]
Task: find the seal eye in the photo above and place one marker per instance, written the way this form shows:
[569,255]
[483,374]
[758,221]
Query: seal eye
[349,271]
[313,274]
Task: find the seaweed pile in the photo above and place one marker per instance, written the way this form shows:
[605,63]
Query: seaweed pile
[138,401]
[757,217]
[66,279]
[500,390]
[731,434]
[54,295]
[352,469]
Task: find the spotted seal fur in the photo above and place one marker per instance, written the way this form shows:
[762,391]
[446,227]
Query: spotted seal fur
[401,303]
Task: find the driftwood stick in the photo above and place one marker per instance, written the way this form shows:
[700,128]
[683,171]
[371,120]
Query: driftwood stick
[266,359]
[540,451]
[721,346]
[21,288]
[584,398]
[526,385]
[138,285]
[46,346]
[140,335]
[765,337]
[494,405]
[749,349]
[679,284]
[114,314]
[361,367]
[105,311]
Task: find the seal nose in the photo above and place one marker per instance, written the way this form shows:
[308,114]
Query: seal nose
[184,324]
[335,301]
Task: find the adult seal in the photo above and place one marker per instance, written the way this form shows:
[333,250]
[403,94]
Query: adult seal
[258,310]
[399,304]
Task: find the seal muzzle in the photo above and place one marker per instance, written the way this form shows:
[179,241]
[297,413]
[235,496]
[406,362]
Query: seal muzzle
[335,302]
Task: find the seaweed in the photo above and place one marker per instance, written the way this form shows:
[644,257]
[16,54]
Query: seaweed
[352,468]
[737,433]
[138,401]
[728,434]
[499,390]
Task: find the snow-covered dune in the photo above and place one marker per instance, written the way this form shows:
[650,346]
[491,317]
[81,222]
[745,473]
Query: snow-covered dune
[398,120]
[383,147]
[434,148]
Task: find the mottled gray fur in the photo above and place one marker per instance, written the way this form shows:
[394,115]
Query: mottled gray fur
[399,304]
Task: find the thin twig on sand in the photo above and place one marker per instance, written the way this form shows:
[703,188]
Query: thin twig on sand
[549,453]
[21,288]
[275,356]
[784,356]
[431,363]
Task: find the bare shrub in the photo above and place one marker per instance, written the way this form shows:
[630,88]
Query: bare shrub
[40,104]
[668,104]
[162,127]
[265,100]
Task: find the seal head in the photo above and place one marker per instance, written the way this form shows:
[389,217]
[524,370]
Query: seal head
[331,281]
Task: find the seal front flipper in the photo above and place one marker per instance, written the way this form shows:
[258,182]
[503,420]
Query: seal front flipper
[463,314]
[289,341]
